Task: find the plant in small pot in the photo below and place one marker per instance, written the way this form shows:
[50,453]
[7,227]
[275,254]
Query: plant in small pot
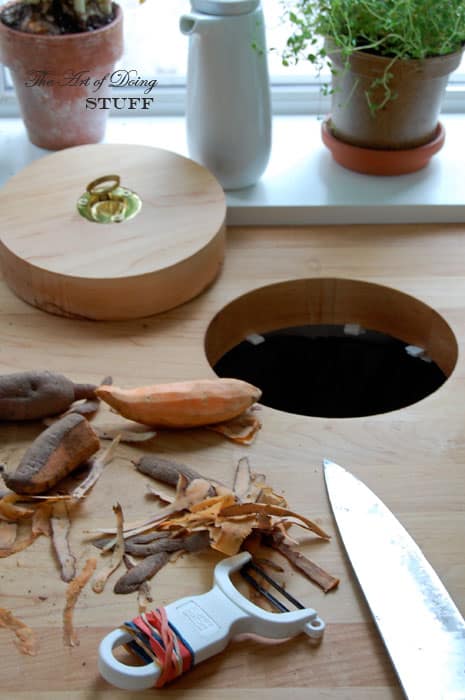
[390,62]
[60,52]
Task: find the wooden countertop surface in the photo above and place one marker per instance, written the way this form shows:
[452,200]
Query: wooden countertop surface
[414,459]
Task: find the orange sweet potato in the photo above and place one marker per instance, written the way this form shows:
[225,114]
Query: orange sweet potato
[53,455]
[38,394]
[182,404]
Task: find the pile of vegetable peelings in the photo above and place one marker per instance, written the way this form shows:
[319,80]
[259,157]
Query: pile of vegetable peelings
[202,513]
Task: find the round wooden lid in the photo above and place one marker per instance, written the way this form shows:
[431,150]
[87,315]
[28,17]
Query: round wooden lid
[58,260]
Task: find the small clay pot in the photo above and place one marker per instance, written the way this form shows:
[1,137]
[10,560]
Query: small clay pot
[378,161]
[55,114]
[407,121]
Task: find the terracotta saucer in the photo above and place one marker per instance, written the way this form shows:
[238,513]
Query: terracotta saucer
[373,161]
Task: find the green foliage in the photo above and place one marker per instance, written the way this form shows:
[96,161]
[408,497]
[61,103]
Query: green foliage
[397,29]
[394,28]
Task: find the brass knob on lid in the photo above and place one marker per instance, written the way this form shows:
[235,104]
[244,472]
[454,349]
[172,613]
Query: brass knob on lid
[100,193]
[93,187]
[106,201]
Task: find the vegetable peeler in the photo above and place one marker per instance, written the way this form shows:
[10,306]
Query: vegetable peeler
[205,623]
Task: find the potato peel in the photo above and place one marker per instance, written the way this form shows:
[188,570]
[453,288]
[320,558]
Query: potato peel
[10,511]
[60,527]
[41,520]
[242,478]
[99,462]
[268,509]
[229,536]
[117,555]
[226,518]
[20,544]
[195,492]
[8,533]
[73,591]
[162,497]
[26,640]
[243,429]
[127,436]
[311,570]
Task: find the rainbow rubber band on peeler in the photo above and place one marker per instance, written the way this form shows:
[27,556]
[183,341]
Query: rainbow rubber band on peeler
[173,639]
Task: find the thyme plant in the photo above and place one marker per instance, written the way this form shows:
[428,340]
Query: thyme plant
[397,29]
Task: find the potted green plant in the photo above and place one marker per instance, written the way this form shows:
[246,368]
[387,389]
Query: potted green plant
[60,53]
[390,61]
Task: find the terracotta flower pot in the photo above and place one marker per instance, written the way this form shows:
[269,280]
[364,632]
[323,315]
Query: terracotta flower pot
[380,161]
[407,121]
[51,94]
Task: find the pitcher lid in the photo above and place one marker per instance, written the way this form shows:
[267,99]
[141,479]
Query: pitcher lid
[224,7]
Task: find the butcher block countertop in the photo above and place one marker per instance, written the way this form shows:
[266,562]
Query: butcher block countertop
[413,458]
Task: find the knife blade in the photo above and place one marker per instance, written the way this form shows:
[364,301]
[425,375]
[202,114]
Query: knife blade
[421,627]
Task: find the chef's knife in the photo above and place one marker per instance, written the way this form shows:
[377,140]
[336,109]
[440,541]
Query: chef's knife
[421,626]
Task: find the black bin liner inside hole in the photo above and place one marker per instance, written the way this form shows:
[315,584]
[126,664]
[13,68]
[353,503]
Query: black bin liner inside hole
[332,371]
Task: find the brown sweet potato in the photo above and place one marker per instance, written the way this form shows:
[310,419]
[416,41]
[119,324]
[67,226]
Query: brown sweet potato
[53,455]
[143,571]
[165,470]
[38,394]
[156,557]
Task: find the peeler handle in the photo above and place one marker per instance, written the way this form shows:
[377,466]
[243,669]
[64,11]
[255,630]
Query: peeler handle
[205,623]
[119,674]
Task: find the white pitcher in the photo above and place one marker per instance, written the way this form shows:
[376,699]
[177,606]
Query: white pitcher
[228,93]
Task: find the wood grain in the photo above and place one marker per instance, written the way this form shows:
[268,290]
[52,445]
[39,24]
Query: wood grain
[412,458]
[57,260]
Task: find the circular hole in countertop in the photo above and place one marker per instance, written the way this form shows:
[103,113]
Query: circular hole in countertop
[334,348]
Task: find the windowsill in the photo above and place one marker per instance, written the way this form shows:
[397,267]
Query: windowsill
[302,184]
